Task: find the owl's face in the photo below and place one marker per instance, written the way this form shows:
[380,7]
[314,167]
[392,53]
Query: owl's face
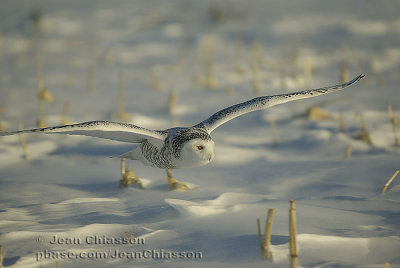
[197,152]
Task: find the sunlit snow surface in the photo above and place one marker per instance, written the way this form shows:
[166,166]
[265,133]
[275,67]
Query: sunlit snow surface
[69,186]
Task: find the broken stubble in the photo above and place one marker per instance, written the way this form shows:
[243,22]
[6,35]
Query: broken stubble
[265,245]
[292,235]
[341,122]
[64,117]
[389,182]
[44,95]
[256,79]
[171,103]
[2,254]
[395,124]
[348,151]
[1,125]
[364,134]
[23,141]
[122,115]
[344,74]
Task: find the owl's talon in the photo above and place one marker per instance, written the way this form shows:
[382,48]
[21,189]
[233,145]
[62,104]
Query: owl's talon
[174,184]
[128,177]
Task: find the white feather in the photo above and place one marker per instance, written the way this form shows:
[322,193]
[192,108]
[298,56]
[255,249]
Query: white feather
[265,102]
[178,147]
[101,129]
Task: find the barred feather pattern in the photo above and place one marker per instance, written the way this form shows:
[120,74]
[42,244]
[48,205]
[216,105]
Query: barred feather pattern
[158,157]
[171,149]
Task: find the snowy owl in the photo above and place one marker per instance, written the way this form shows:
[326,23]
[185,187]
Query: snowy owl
[179,147]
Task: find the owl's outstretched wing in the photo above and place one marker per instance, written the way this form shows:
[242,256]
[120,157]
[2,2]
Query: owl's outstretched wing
[265,102]
[101,129]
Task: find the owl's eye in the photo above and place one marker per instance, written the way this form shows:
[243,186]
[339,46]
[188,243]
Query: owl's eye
[200,147]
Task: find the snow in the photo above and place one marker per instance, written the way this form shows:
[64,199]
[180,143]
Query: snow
[69,186]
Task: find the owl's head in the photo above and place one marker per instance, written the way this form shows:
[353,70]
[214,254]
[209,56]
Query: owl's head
[192,147]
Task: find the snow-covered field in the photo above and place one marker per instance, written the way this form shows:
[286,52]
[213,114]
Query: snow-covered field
[63,205]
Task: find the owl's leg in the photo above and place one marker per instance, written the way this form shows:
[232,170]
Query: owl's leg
[174,184]
[128,177]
